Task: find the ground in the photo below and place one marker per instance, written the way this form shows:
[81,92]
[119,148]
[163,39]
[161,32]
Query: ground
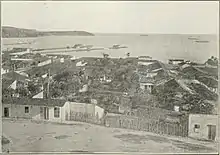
[29,136]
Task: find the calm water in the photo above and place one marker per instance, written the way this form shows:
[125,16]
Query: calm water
[160,47]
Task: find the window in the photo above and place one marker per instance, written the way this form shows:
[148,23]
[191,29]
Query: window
[41,109]
[145,86]
[57,112]
[196,127]
[26,109]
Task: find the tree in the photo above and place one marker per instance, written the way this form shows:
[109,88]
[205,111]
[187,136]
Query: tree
[33,88]
[8,92]
[212,61]
[197,104]
[23,92]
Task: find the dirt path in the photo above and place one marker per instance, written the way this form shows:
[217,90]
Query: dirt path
[27,136]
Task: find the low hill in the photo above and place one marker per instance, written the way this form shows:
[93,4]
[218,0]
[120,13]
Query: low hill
[12,32]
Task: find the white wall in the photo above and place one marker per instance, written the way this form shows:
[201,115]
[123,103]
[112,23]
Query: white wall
[145,63]
[44,63]
[203,121]
[149,86]
[34,112]
[99,111]
[55,119]
[19,111]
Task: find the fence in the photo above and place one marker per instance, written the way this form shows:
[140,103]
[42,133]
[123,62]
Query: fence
[155,126]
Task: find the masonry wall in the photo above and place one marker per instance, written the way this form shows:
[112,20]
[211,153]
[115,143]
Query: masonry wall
[83,112]
[203,121]
[99,111]
[18,111]
[61,118]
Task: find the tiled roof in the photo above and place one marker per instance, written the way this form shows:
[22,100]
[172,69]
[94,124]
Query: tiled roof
[14,76]
[34,101]
[6,83]
[144,79]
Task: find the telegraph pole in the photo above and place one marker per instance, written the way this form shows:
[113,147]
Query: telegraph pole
[48,85]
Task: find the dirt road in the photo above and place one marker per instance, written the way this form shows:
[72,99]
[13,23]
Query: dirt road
[27,136]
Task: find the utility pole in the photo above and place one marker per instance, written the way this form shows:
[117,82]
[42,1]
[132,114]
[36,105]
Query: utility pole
[48,85]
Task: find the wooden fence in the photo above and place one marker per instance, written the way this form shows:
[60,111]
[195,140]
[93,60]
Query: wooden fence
[155,126]
[135,123]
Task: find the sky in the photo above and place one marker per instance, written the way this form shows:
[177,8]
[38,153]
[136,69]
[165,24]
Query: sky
[115,17]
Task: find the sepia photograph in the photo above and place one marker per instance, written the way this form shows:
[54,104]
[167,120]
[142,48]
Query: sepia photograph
[109,77]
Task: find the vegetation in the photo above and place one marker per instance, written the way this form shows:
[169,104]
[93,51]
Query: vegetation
[197,104]
[12,32]
[64,84]
[212,61]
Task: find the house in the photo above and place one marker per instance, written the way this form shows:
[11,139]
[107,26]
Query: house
[204,127]
[81,64]
[15,76]
[146,83]
[5,70]
[14,80]
[44,62]
[146,62]
[144,58]
[175,61]
[34,108]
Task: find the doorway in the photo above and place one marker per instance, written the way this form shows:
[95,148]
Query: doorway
[6,112]
[211,132]
[44,113]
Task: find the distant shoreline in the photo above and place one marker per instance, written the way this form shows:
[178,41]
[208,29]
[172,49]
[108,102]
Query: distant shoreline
[13,32]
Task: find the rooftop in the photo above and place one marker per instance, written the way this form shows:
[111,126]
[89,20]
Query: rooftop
[176,59]
[14,76]
[144,79]
[34,101]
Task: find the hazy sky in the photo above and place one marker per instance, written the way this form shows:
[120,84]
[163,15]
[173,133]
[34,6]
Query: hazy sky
[114,17]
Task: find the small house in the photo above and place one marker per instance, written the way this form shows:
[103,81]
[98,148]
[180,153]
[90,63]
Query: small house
[4,70]
[44,62]
[14,80]
[144,58]
[146,84]
[176,61]
[203,126]
[34,108]
[146,62]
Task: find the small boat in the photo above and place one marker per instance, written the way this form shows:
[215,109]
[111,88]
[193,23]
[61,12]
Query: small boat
[117,47]
[86,46]
[202,41]
[77,45]
[193,38]
[144,35]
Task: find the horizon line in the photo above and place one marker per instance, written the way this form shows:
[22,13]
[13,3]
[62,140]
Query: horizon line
[140,33]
